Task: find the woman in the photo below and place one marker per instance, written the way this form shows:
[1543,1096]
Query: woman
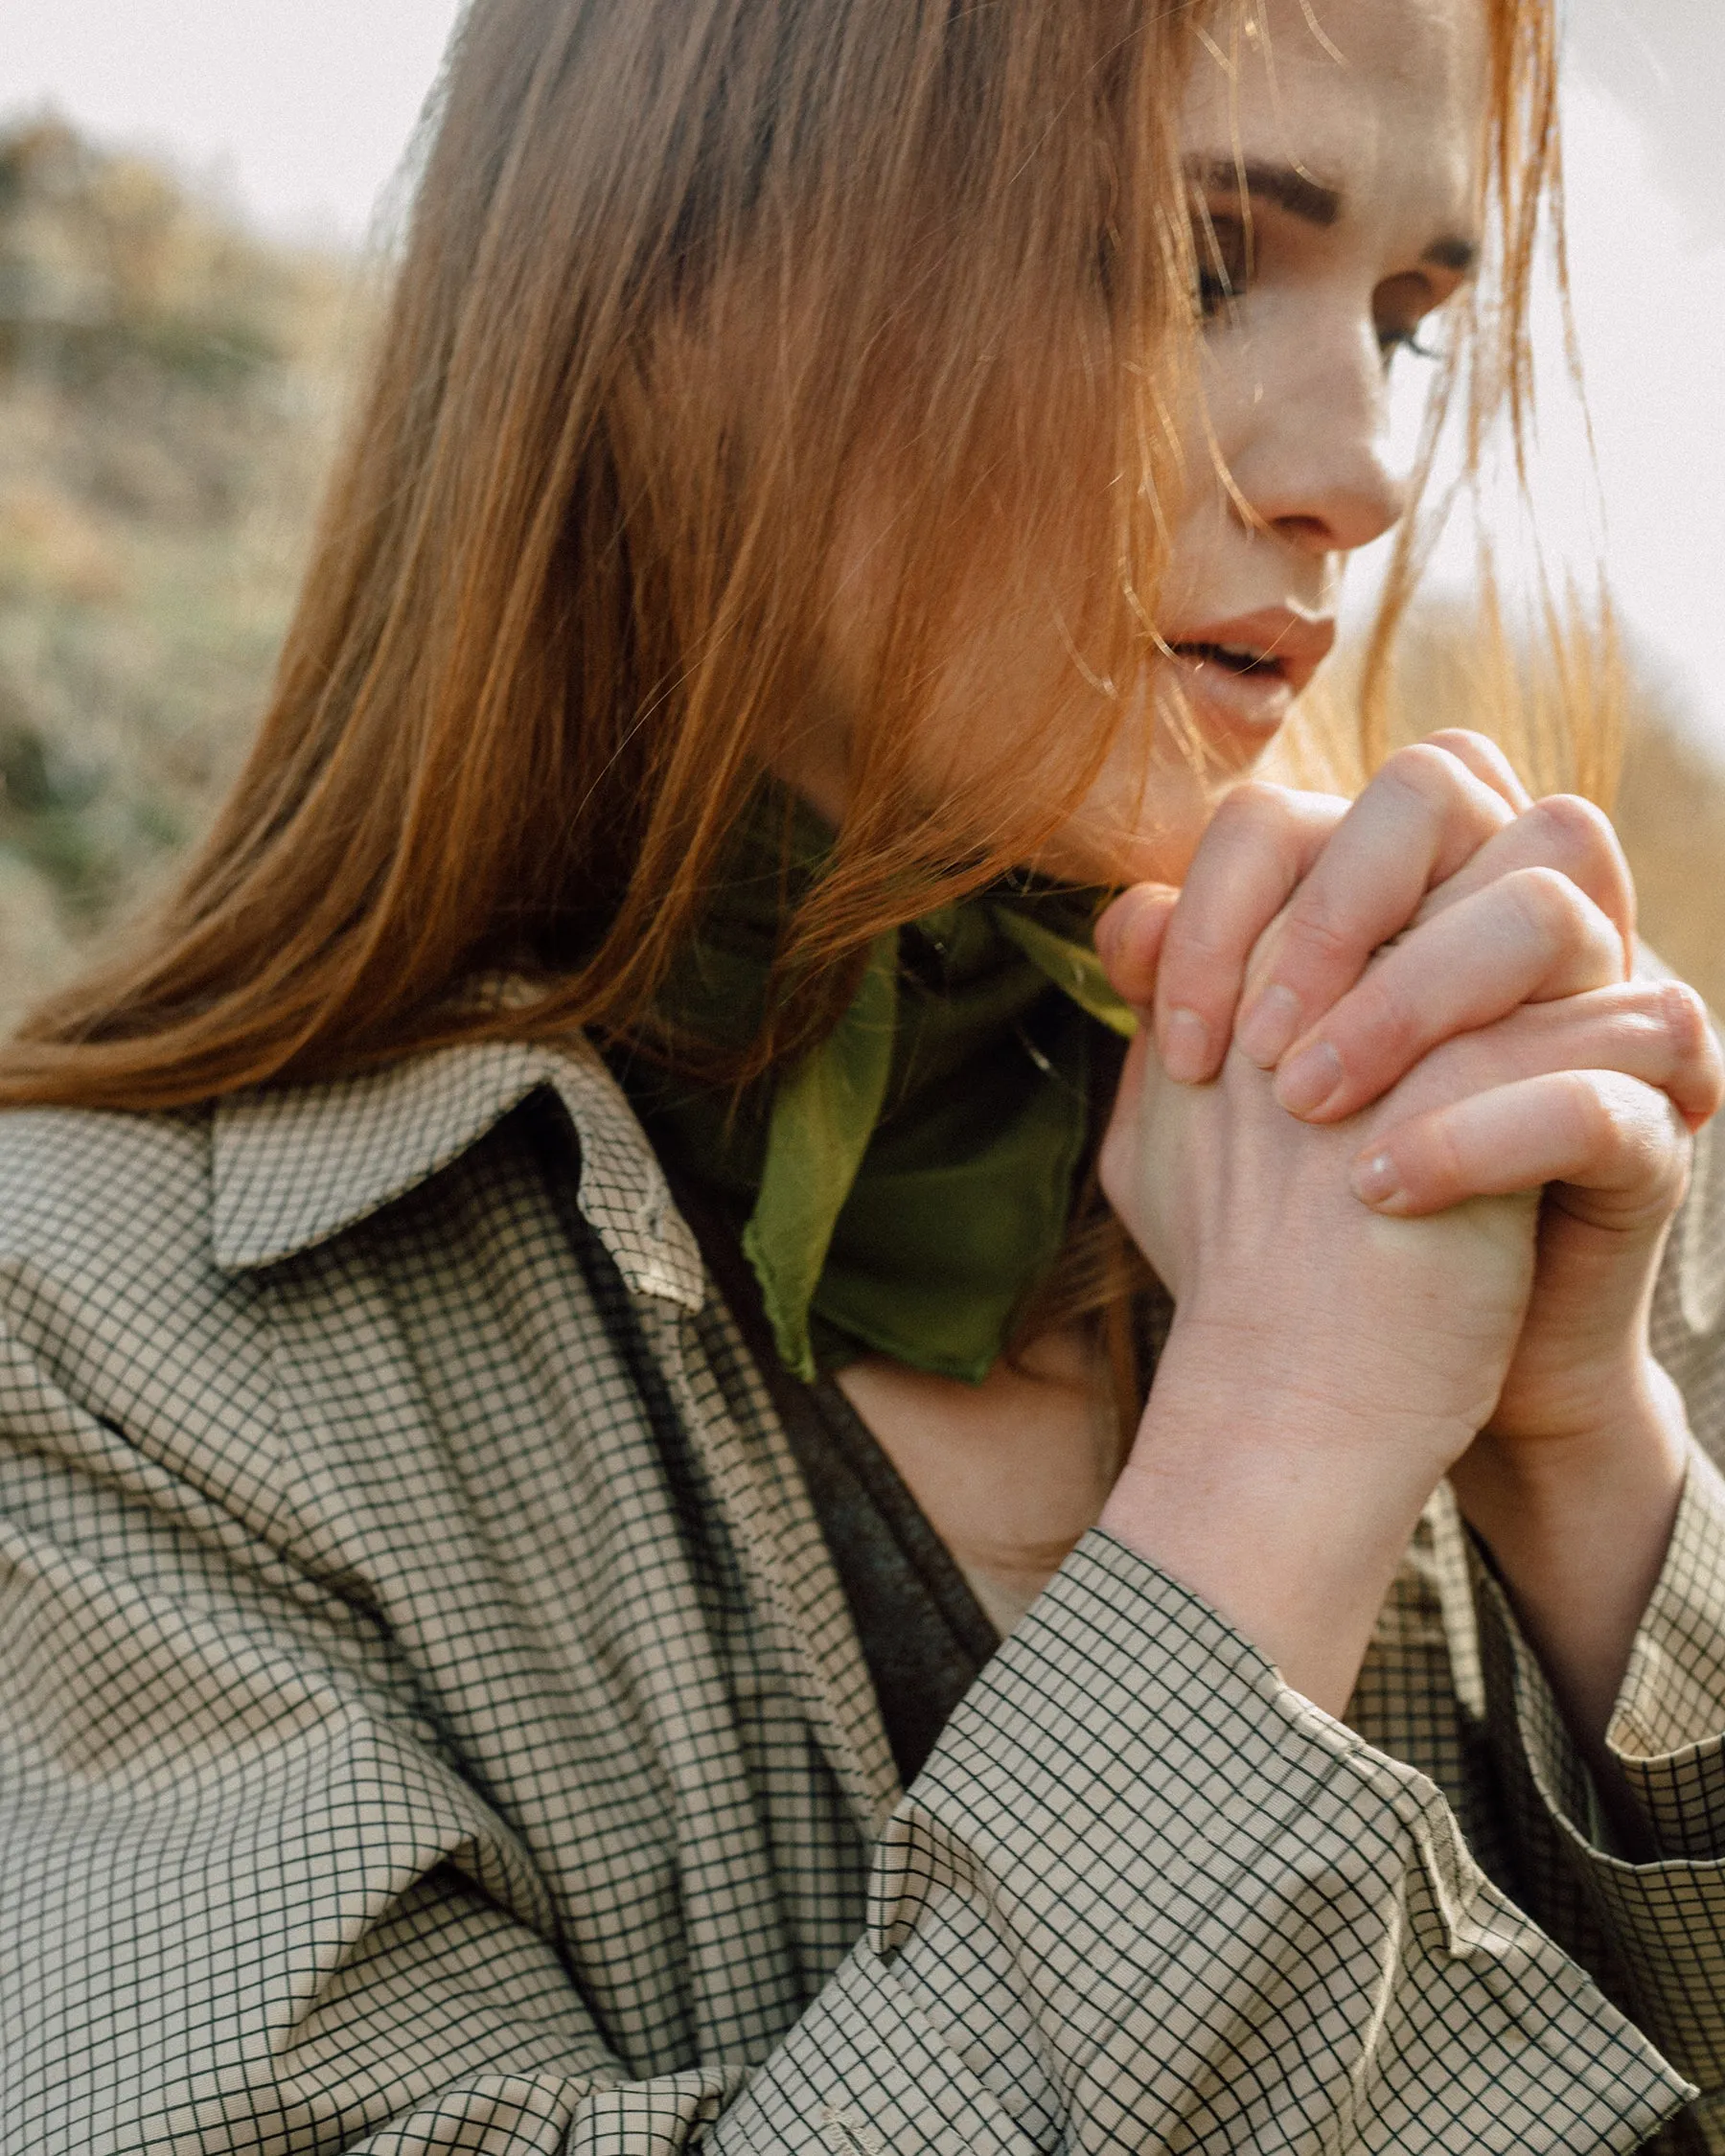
[500,1659]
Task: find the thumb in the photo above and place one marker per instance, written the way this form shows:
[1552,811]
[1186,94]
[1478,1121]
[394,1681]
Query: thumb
[1129,940]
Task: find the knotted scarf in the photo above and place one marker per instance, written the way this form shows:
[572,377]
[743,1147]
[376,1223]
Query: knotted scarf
[904,1186]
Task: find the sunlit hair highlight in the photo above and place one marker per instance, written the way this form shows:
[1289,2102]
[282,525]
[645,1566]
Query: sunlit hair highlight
[1549,687]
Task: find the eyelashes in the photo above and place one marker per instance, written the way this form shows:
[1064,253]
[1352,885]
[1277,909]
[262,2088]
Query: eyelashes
[1214,294]
[1392,341]
[1222,249]
[1222,245]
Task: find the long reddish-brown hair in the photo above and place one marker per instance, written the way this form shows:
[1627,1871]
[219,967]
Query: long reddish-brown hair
[682,277]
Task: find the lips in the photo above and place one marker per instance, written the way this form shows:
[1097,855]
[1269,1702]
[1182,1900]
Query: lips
[1277,645]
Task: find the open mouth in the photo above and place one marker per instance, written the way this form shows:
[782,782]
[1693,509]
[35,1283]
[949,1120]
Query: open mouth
[1234,657]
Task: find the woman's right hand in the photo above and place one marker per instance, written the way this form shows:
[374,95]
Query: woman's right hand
[1326,1366]
[1325,1371]
[1251,1221]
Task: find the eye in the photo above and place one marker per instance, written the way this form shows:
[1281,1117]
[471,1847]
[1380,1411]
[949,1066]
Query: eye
[1404,306]
[1221,247]
[1391,340]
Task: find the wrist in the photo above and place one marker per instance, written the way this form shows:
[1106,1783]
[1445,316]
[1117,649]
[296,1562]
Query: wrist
[1285,1502]
[1578,1527]
[1355,1414]
[1625,1436]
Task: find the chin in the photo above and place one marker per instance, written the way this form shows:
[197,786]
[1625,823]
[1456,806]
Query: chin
[1144,819]
[1111,853]
[1146,832]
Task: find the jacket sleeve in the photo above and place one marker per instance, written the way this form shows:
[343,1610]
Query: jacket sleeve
[1150,1898]
[1142,1897]
[1651,1924]
[1453,1686]
[247,1903]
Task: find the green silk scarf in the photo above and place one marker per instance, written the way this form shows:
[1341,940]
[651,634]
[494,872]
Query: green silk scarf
[904,1186]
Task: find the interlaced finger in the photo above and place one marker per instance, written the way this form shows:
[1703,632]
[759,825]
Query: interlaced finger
[1261,842]
[1530,937]
[1421,819]
[1657,1031]
[1486,761]
[1562,832]
[1619,1145]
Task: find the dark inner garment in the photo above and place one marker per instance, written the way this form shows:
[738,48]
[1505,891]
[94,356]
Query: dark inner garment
[924,1635]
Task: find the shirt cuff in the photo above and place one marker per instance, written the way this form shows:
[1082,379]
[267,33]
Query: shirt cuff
[1666,1734]
[1668,1731]
[1653,1931]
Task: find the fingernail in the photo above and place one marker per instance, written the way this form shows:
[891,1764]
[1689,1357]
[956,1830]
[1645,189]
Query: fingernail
[1269,1023]
[1377,1182]
[1305,1084]
[1186,1047]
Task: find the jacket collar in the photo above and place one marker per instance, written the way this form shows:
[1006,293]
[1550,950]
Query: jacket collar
[294,1166]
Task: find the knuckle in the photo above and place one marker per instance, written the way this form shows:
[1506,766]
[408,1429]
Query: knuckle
[1426,770]
[1578,833]
[1377,1014]
[1698,1065]
[1197,976]
[1683,1017]
[1202,948]
[1588,1112]
[1624,1129]
[1486,761]
[1575,820]
[1316,935]
[1552,903]
[1465,737]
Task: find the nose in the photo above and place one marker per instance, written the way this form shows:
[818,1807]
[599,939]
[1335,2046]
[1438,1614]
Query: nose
[1315,466]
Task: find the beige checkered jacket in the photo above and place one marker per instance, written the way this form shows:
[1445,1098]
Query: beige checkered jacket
[430,1721]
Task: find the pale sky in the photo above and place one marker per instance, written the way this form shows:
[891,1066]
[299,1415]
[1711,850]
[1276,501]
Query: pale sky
[301,110]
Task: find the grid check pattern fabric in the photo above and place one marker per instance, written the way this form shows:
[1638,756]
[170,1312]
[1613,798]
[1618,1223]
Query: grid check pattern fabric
[431,1722]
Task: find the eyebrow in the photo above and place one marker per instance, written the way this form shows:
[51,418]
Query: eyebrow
[1285,185]
[1455,253]
[1312,201]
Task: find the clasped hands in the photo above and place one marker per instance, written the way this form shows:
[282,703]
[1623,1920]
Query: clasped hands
[1403,1136]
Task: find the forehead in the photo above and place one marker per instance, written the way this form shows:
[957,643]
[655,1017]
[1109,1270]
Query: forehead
[1382,99]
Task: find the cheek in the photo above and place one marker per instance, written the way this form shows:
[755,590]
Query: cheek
[1200,555]
[1300,347]
[1014,689]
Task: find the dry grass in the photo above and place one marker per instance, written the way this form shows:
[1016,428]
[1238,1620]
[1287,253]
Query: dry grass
[169,388]
[1671,812]
[1669,805]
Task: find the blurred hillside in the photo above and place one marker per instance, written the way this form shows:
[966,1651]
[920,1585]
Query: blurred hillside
[169,390]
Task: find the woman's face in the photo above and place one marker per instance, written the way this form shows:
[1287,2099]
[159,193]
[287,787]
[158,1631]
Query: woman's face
[1334,151]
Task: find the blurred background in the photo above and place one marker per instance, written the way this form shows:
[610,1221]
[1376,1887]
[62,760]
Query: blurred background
[197,203]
